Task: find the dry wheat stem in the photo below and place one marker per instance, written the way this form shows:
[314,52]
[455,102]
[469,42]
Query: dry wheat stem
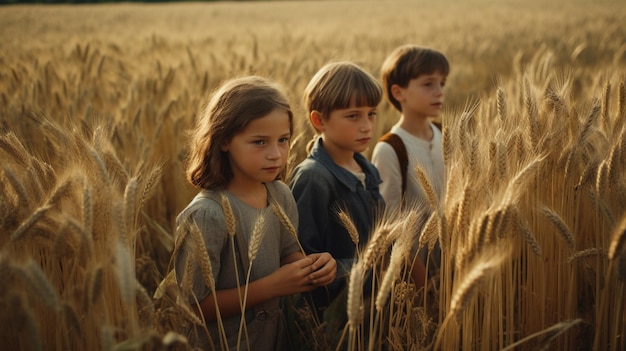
[95,288]
[255,243]
[618,241]
[125,270]
[552,333]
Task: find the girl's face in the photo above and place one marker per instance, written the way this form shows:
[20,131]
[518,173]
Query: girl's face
[259,152]
[423,97]
[349,129]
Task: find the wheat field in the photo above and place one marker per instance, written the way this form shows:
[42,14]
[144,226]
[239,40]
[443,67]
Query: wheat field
[95,102]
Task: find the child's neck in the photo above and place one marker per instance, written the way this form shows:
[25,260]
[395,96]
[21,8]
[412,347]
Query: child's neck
[253,194]
[417,126]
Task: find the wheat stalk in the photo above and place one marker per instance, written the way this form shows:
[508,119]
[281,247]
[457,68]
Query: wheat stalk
[462,295]
[527,234]
[427,186]
[376,245]
[22,195]
[255,242]
[12,146]
[95,287]
[87,208]
[399,253]
[346,221]
[29,223]
[130,200]
[618,241]
[150,185]
[38,284]
[355,288]
[581,255]
[125,271]
[558,222]
[286,222]
[231,222]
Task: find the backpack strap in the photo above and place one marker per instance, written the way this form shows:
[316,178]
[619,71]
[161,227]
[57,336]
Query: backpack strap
[398,146]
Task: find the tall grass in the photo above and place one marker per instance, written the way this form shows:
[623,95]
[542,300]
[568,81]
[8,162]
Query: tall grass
[531,226]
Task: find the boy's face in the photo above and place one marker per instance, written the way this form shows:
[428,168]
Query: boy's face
[349,129]
[423,96]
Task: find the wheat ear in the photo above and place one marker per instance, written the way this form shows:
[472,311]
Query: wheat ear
[29,223]
[431,195]
[581,255]
[355,289]
[558,222]
[286,222]
[347,222]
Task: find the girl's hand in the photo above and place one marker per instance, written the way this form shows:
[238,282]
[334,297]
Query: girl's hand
[324,268]
[292,278]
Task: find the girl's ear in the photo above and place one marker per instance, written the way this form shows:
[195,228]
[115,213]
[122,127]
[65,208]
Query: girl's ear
[317,121]
[396,92]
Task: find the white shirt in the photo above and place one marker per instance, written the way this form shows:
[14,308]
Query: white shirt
[426,154]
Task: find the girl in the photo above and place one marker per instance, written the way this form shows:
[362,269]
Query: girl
[239,148]
[341,100]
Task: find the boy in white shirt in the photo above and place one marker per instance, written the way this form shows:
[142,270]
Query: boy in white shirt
[413,78]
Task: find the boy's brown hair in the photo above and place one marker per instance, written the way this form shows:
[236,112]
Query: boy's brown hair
[408,62]
[338,85]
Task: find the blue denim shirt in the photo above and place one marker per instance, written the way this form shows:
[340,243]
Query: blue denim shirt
[321,188]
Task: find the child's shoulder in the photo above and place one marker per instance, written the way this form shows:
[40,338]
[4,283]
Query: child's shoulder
[278,189]
[311,165]
[205,204]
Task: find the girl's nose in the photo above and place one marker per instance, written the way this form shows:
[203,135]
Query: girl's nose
[273,152]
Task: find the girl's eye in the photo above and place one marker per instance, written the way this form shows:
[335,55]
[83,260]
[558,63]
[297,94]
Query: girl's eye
[284,140]
[372,114]
[351,116]
[259,142]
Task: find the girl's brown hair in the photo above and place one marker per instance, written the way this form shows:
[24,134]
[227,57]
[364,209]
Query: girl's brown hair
[230,109]
[407,62]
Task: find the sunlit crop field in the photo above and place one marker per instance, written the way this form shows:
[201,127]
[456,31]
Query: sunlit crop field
[96,100]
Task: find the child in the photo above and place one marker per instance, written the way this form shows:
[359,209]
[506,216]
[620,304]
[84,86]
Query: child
[239,148]
[413,78]
[341,100]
